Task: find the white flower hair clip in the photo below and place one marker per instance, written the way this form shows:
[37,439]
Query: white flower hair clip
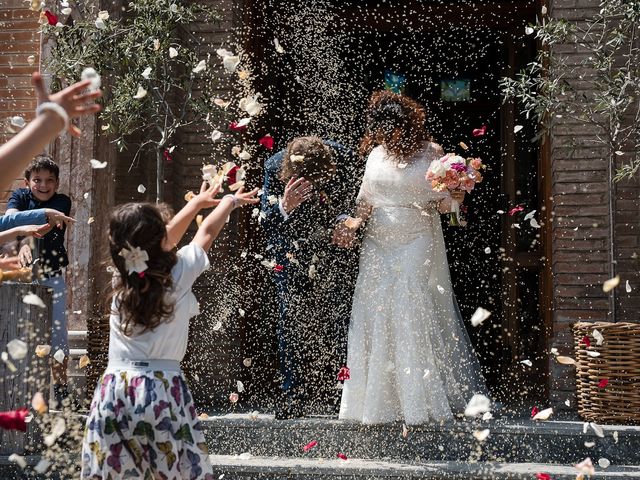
[135,259]
[297,158]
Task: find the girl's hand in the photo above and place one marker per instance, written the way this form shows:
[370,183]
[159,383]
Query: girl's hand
[37,231]
[25,256]
[297,191]
[10,263]
[72,99]
[248,198]
[207,196]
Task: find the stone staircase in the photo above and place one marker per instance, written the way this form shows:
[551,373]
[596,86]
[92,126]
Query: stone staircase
[250,447]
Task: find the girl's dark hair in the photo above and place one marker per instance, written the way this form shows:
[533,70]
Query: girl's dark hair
[318,159]
[141,298]
[396,122]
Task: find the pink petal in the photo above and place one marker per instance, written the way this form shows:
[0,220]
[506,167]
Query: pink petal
[586,341]
[310,445]
[534,411]
[603,383]
[266,141]
[515,210]
[543,476]
[341,456]
[479,132]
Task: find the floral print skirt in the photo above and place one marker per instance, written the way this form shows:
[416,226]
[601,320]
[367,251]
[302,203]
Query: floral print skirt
[143,425]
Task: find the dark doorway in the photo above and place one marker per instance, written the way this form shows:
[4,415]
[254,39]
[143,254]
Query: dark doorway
[323,90]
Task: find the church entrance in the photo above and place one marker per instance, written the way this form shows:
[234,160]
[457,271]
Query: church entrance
[450,56]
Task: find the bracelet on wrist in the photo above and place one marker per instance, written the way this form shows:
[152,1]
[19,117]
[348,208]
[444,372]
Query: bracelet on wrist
[233,198]
[55,108]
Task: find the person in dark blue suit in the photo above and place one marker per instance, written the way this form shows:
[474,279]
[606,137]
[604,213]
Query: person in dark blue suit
[309,192]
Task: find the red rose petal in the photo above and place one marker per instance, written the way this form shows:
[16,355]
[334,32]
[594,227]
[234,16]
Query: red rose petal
[534,411]
[14,420]
[231,175]
[236,127]
[603,383]
[51,18]
[515,210]
[341,456]
[586,341]
[479,132]
[266,142]
[310,445]
[543,476]
[278,268]
[167,156]
[344,374]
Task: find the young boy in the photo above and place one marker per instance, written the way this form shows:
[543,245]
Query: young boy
[49,256]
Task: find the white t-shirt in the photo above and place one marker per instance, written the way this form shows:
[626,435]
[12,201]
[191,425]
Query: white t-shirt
[168,341]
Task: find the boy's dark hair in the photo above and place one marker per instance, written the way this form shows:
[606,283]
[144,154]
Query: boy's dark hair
[42,162]
[313,158]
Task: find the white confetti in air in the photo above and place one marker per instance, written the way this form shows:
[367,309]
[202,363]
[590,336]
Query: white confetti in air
[478,404]
[597,429]
[598,336]
[244,155]
[481,435]
[241,312]
[230,63]
[543,414]
[479,316]
[33,299]
[567,402]
[141,93]
[610,284]
[17,121]
[534,223]
[217,326]
[487,416]
[517,128]
[97,164]
[17,349]
[247,362]
[528,363]
[528,30]
[200,67]
[142,188]
[627,287]
[487,250]
[216,135]
[279,48]
[440,289]
[59,356]
[589,444]
[91,74]
[604,462]
[615,436]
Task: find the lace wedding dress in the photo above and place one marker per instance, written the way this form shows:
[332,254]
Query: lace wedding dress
[409,354]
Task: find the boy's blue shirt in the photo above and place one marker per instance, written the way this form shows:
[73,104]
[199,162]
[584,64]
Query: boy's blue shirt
[50,249]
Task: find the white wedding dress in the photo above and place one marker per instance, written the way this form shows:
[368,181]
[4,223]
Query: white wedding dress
[409,354]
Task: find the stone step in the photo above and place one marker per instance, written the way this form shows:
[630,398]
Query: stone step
[509,440]
[266,468]
[245,467]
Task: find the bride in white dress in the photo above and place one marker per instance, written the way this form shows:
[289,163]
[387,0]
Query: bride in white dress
[409,354]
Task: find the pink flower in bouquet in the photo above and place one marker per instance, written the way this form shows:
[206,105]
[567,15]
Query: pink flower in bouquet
[451,180]
[475,175]
[476,163]
[467,184]
[459,167]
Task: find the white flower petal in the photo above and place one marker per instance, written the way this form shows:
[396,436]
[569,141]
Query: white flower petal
[141,93]
[478,404]
[543,414]
[244,155]
[487,250]
[222,52]
[17,121]
[146,73]
[240,386]
[18,460]
[103,14]
[100,25]
[201,67]
[59,356]
[230,63]
[97,164]
[528,363]
[565,360]
[481,435]
[17,349]
[517,128]
[91,74]
[42,350]
[173,53]
[33,299]
[598,336]
[611,284]
[593,354]
[597,429]
[604,462]
[528,30]
[279,48]
[627,287]
[216,135]
[247,362]
[142,188]
[479,316]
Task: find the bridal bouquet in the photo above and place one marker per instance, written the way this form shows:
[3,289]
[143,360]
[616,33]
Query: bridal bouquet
[453,172]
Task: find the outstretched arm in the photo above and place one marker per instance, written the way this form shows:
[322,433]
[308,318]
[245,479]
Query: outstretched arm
[215,221]
[45,127]
[27,230]
[179,224]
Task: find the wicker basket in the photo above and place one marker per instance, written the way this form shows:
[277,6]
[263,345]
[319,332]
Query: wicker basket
[618,363]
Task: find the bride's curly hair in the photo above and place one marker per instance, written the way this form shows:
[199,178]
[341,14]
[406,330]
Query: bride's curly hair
[141,298]
[396,122]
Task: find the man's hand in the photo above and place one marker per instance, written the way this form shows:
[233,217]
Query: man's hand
[344,233]
[57,219]
[207,196]
[297,191]
[25,256]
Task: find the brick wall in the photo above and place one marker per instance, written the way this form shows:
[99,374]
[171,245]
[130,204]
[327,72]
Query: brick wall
[19,39]
[581,238]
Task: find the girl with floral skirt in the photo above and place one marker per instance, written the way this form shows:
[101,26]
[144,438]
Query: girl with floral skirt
[143,423]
